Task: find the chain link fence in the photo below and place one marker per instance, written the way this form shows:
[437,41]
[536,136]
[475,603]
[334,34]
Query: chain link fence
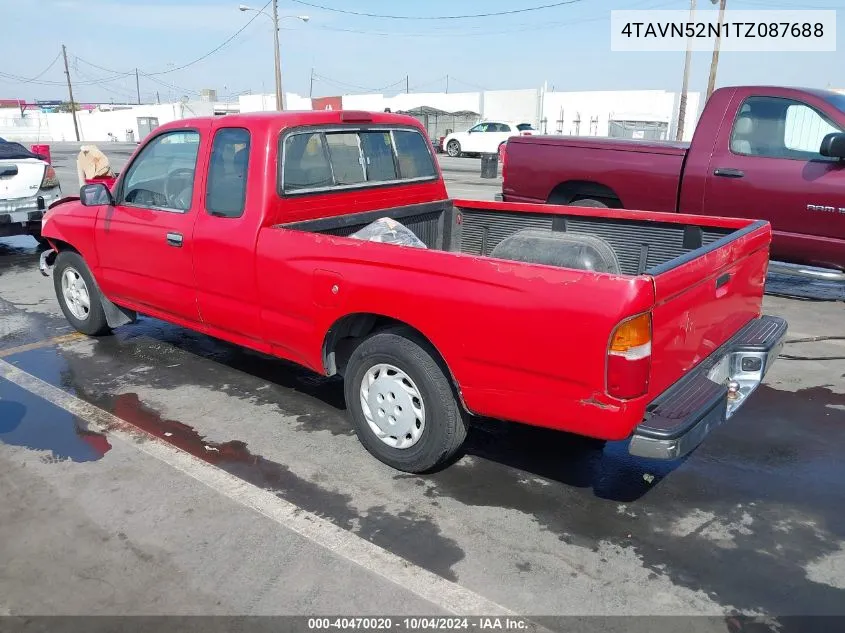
[647,130]
[440,123]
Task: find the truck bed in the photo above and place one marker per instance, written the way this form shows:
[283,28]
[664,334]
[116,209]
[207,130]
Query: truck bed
[559,169]
[477,228]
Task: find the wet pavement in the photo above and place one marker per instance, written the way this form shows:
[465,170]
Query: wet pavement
[539,522]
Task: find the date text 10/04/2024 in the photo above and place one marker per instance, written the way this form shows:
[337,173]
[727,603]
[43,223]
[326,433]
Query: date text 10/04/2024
[724,29]
[420,623]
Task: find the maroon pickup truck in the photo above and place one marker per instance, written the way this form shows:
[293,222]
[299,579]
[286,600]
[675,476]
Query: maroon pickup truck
[767,153]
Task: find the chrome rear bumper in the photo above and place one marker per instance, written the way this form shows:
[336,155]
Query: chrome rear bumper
[682,416]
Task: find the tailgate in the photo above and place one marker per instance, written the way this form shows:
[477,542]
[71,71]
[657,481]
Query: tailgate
[20,178]
[705,297]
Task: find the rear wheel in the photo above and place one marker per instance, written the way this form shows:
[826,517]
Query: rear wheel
[401,402]
[78,295]
[453,148]
[588,202]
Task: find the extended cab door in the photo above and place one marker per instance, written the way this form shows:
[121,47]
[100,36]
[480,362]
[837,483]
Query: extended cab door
[224,239]
[144,241]
[766,165]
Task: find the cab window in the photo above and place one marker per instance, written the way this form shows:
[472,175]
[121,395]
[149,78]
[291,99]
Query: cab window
[227,173]
[318,161]
[774,127]
[162,176]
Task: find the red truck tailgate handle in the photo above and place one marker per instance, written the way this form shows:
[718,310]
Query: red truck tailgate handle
[726,172]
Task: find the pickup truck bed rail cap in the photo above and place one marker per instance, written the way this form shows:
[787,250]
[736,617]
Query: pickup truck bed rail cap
[712,246]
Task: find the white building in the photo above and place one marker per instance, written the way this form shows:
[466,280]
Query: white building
[634,114]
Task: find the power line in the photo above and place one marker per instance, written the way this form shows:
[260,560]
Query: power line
[466,83]
[437,17]
[521,28]
[415,87]
[343,84]
[115,90]
[170,86]
[211,52]
[43,72]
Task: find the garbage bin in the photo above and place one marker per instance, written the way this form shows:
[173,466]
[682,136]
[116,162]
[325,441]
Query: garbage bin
[43,151]
[489,165]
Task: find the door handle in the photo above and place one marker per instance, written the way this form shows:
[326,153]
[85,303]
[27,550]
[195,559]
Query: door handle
[725,172]
[174,239]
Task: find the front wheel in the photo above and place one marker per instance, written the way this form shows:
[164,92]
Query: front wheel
[401,402]
[78,295]
[453,148]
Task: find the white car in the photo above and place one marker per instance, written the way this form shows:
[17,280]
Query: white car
[28,186]
[484,138]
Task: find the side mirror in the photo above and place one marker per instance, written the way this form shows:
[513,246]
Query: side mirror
[833,145]
[95,195]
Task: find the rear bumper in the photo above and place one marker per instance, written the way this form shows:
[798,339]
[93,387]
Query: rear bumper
[24,215]
[678,420]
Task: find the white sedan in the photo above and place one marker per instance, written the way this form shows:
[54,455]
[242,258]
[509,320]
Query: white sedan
[484,138]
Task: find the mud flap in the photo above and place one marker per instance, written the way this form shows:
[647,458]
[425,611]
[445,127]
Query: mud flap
[115,315]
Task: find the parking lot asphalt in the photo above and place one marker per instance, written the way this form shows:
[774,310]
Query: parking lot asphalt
[159,471]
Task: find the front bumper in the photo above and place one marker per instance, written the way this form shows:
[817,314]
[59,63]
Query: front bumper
[683,415]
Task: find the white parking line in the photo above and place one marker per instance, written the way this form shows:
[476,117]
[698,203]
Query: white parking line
[447,595]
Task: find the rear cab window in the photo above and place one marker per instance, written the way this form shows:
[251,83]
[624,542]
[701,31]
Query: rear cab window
[318,160]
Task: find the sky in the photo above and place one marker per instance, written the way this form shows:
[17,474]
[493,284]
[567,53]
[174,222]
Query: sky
[566,46]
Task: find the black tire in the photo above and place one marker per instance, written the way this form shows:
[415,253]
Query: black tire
[453,148]
[445,429]
[94,324]
[588,202]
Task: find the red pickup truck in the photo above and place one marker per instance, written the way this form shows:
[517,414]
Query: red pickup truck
[263,230]
[757,152]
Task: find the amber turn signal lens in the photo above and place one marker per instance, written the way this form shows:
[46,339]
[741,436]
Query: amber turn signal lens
[630,334]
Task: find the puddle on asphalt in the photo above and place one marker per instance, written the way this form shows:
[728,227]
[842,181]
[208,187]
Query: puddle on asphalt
[30,422]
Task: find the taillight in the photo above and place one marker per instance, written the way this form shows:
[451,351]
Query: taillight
[50,180]
[503,158]
[629,358]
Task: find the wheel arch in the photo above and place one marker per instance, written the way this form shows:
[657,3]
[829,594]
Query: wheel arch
[567,192]
[347,331]
[115,315]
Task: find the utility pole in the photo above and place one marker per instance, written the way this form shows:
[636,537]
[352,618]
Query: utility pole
[407,89]
[682,105]
[138,86]
[158,100]
[447,84]
[711,83]
[280,97]
[311,87]
[70,94]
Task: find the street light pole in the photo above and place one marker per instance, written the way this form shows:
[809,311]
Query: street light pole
[714,62]
[682,104]
[280,96]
